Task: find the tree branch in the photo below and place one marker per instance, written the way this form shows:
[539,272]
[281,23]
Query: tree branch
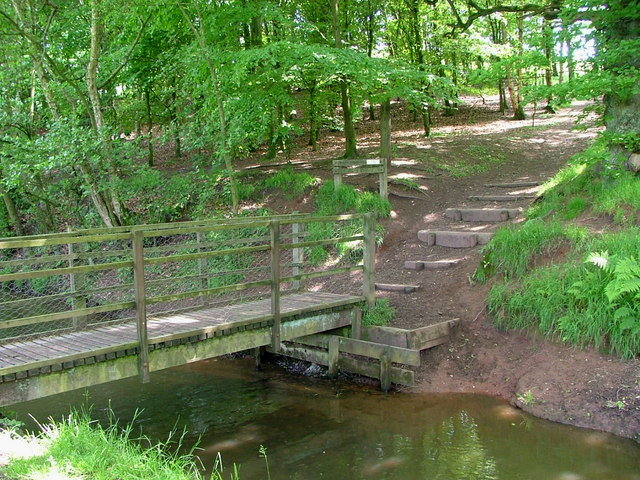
[126,57]
[551,11]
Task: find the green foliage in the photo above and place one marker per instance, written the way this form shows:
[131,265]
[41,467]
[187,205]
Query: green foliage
[590,181]
[513,250]
[577,302]
[381,314]
[78,446]
[346,199]
[291,183]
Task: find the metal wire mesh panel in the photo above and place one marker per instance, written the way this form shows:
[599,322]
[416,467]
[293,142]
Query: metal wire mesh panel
[78,281]
[69,283]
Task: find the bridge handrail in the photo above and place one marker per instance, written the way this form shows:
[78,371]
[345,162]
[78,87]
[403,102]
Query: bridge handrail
[158,268]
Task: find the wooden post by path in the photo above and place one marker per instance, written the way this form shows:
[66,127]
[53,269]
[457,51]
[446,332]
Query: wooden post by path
[275,284]
[369,260]
[141,305]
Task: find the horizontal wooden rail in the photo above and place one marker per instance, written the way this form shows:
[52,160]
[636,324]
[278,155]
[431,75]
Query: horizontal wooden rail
[50,317]
[10,277]
[328,241]
[209,254]
[207,291]
[165,266]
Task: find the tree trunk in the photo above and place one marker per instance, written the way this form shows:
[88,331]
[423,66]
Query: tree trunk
[385,131]
[200,35]
[12,210]
[547,35]
[518,109]
[347,112]
[622,105]
[147,98]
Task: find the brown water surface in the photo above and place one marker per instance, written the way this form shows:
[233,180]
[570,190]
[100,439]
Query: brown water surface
[317,429]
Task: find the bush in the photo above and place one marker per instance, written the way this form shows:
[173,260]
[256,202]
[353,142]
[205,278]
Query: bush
[381,314]
[291,183]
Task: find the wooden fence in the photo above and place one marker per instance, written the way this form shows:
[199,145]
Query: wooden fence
[79,280]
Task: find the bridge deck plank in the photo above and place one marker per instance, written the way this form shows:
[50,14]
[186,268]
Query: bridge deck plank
[60,348]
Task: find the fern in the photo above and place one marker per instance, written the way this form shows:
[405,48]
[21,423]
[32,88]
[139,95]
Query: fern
[626,280]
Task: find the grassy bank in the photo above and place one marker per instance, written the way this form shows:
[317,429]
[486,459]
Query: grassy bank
[572,270]
[78,447]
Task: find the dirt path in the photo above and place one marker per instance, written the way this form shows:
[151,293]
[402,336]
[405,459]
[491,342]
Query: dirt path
[476,147]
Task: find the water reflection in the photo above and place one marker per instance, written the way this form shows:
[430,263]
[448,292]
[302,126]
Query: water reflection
[453,449]
[315,429]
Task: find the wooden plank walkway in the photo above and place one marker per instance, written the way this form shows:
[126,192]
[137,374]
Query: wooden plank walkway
[67,350]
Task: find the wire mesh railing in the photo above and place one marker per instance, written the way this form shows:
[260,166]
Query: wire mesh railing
[87,279]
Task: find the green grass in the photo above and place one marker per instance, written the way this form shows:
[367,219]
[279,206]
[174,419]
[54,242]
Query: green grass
[78,447]
[572,301]
[589,295]
[513,249]
[291,183]
[380,315]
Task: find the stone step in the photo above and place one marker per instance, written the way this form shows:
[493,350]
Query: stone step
[482,214]
[396,287]
[430,264]
[513,185]
[502,198]
[454,239]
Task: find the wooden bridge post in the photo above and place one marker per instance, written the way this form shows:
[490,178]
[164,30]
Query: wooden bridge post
[297,256]
[369,260]
[385,371]
[141,305]
[275,284]
[202,268]
[76,281]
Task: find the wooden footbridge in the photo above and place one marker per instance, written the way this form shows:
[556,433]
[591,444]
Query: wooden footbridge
[92,306]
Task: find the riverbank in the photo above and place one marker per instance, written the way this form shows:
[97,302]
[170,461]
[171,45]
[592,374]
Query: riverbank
[477,147]
[79,447]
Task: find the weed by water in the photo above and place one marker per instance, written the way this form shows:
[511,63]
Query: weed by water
[381,314]
[78,447]
[595,301]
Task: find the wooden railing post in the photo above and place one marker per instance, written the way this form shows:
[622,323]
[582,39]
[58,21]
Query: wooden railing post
[297,256]
[275,284]
[369,260]
[141,305]
[202,268]
[76,282]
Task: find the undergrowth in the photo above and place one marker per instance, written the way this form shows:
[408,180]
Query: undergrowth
[343,200]
[569,283]
[78,447]
[381,314]
[291,183]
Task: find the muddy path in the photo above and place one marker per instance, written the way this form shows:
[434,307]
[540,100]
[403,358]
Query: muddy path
[476,147]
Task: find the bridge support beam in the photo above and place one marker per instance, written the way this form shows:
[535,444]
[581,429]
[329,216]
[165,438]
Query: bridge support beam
[124,367]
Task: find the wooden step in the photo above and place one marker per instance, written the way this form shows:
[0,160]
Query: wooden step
[454,239]
[430,264]
[482,214]
[514,184]
[502,198]
[396,287]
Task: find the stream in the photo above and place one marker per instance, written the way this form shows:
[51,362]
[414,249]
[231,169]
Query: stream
[313,428]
